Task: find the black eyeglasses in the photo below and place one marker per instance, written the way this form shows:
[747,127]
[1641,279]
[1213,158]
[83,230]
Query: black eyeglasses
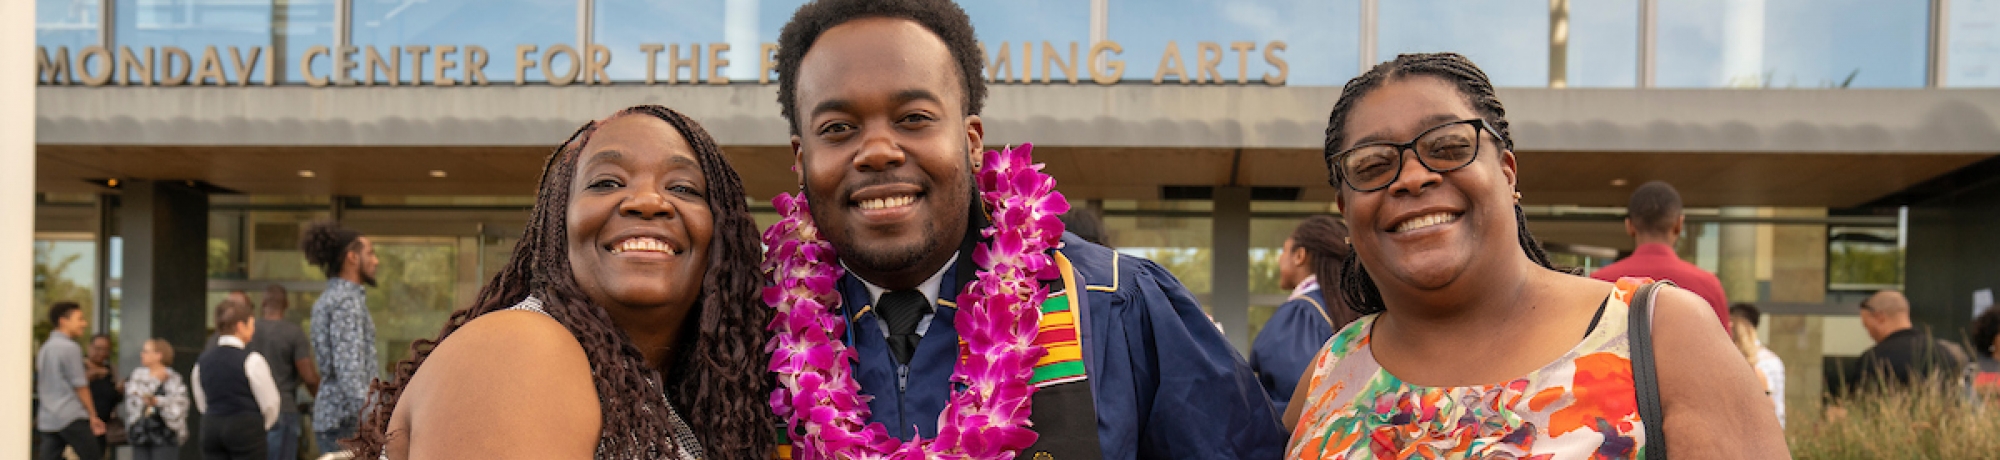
[1443,148]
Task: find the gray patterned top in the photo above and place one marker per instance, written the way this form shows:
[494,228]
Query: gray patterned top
[343,341]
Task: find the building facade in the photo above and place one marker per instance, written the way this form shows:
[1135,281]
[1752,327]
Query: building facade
[1821,146]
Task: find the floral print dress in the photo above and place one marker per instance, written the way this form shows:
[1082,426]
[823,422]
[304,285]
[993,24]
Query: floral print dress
[1582,406]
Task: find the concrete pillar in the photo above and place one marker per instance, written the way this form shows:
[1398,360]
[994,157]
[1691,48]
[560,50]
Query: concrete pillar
[1798,275]
[1229,296]
[164,226]
[17,234]
[1738,270]
[165,281]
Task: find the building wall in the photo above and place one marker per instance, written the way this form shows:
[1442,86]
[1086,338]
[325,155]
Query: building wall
[1954,251]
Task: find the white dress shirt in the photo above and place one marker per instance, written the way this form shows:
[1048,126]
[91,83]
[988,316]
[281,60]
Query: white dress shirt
[929,288]
[261,385]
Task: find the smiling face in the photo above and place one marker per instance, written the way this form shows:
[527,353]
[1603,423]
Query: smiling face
[639,225]
[1427,229]
[884,148]
[100,350]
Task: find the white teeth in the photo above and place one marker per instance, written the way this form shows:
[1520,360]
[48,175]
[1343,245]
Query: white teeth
[890,202]
[1426,221]
[643,244]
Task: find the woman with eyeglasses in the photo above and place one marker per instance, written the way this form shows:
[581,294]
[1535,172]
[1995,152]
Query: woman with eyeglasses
[1473,344]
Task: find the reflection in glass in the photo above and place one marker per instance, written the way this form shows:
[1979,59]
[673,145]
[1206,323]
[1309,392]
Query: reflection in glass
[1028,24]
[685,28]
[497,27]
[194,26]
[1973,54]
[67,23]
[415,292]
[65,270]
[1603,43]
[1321,38]
[1508,39]
[1792,43]
[299,25]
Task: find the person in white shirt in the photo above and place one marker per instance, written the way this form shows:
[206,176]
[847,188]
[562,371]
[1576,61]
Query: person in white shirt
[1772,369]
[234,389]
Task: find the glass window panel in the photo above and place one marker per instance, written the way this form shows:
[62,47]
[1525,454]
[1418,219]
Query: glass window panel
[685,27]
[67,23]
[1792,43]
[1863,258]
[1182,245]
[496,26]
[1603,43]
[746,25]
[225,245]
[65,270]
[195,26]
[1321,37]
[1508,39]
[303,24]
[1973,54]
[273,241]
[1021,25]
[415,293]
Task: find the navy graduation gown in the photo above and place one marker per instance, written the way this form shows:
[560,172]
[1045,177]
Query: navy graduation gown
[1286,345]
[1164,382]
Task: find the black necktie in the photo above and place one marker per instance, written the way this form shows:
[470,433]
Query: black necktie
[902,310]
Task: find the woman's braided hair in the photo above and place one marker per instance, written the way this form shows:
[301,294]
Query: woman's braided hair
[719,380]
[1324,238]
[1359,289]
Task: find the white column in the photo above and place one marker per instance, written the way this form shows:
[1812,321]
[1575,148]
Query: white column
[17,235]
[1940,42]
[1649,21]
[1369,14]
[1743,43]
[739,28]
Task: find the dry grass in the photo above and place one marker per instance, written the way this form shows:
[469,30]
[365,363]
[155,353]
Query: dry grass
[1928,422]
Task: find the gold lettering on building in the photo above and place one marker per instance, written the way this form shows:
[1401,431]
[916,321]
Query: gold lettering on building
[565,64]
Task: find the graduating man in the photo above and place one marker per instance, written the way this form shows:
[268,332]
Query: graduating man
[883,101]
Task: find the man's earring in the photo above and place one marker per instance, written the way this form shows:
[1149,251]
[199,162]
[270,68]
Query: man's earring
[1517,196]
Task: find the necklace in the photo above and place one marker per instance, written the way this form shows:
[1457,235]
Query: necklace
[998,318]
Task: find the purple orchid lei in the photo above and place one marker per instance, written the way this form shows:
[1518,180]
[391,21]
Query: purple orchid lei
[999,316]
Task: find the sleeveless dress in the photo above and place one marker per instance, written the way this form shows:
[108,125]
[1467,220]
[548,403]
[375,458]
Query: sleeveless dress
[1582,406]
[683,435]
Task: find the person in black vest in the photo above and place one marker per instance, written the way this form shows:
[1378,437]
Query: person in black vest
[234,390]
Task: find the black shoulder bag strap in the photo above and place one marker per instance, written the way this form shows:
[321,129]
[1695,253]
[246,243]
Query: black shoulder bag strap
[1645,374]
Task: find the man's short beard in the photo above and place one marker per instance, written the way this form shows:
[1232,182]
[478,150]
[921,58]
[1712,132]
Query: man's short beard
[894,259]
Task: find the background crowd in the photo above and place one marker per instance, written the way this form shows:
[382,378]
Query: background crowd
[1369,293]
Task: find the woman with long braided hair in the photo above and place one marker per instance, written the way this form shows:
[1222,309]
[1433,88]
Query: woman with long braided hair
[1474,345]
[627,324]
[1286,344]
